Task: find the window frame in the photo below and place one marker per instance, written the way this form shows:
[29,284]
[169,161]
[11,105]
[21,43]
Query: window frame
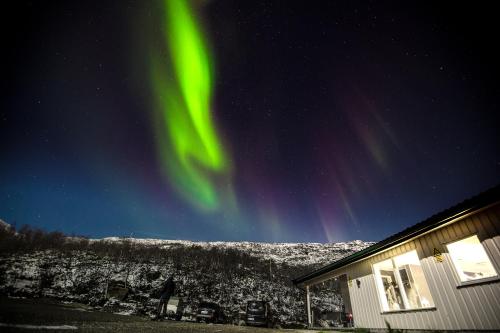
[459,282]
[376,273]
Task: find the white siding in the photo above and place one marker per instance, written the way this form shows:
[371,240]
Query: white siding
[473,307]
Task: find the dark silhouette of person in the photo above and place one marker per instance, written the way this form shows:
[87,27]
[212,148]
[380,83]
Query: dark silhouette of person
[167,291]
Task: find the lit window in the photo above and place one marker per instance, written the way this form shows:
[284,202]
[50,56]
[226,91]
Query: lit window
[401,283]
[470,259]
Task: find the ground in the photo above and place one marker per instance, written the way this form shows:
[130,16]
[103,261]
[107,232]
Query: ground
[25,315]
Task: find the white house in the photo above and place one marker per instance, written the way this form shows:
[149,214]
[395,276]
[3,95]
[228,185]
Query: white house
[440,274]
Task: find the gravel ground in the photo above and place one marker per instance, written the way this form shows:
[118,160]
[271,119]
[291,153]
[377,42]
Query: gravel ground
[29,315]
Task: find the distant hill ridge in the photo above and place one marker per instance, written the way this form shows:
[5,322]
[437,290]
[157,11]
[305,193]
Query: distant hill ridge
[4,225]
[303,254]
[290,253]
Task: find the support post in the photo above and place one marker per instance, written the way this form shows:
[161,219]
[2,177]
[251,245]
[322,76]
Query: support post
[308,305]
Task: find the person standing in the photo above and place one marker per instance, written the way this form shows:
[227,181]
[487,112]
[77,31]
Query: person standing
[167,291]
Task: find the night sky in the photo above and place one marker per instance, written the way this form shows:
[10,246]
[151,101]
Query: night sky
[318,121]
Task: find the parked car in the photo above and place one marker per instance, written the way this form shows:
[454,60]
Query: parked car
[258,313]
[209,312]
[175,308]
[117,289]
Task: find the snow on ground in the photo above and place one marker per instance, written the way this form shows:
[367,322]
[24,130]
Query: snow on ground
[39,327]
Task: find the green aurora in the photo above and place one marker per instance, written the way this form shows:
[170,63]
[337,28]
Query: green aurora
[192,154]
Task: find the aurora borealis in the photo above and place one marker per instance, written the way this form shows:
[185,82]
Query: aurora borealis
[192,153]
[245,120]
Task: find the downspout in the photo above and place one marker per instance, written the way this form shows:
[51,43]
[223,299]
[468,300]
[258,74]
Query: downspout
[308,302]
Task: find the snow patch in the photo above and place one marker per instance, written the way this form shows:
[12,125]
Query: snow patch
[40,327]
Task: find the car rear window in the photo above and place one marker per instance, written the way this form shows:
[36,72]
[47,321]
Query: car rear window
[207,305]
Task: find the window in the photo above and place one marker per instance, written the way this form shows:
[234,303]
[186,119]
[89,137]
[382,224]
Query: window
[470,259]
[401,283]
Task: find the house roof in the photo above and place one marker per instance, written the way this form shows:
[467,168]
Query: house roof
[475,203]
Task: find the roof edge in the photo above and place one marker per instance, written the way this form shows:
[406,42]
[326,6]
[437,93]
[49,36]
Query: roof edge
[471,205]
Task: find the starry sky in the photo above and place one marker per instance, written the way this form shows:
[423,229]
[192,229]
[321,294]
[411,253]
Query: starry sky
[275,121]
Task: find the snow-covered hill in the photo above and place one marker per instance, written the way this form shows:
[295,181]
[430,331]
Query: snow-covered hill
[293,254]
[4,225]
[33,264]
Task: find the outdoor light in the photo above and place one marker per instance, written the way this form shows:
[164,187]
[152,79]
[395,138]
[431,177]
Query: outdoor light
[358,283]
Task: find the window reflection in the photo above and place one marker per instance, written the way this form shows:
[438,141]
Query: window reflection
[401,283]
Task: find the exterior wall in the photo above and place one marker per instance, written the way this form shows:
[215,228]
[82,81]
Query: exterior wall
[471,307]
[344,292]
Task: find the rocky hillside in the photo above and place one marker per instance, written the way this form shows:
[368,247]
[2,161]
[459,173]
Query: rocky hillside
[34,263]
